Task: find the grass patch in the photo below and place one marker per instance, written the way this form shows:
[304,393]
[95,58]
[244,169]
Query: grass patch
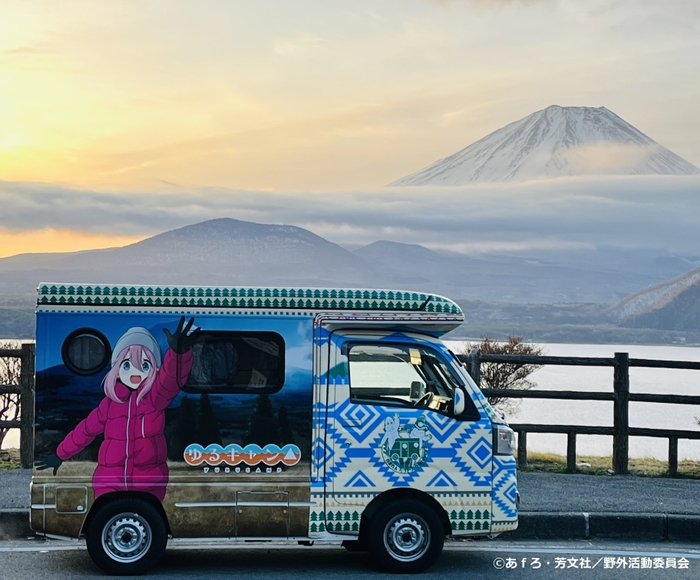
[595,465]
[9,459]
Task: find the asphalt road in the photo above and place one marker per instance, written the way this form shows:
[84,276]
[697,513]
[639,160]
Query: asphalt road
[482,560]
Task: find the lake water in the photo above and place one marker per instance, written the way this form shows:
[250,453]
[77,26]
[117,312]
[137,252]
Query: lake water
[651,415]
[655,415]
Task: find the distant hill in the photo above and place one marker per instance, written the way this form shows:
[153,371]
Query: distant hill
[654,297]
[231,252]
[216,252]
[555,142]
[682,313]
[671,305]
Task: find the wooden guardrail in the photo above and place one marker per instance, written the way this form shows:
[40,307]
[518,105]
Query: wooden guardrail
[620,397]
[25,389]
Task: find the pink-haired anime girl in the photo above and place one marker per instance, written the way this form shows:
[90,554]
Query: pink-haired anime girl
[137,389]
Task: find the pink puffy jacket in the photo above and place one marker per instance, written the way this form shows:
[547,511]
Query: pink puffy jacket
[134,453]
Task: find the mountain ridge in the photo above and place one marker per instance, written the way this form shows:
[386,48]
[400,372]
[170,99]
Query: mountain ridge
[655,297]
[227,252]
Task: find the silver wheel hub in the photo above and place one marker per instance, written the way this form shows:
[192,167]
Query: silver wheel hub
[407,537]
[126,538]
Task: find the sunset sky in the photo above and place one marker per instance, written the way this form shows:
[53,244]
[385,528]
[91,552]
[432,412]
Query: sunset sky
[140,104]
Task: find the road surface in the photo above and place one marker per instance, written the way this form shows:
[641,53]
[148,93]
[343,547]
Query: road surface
[537,560]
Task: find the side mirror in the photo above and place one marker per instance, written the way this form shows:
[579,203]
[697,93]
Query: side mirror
[417,390]
[460,402]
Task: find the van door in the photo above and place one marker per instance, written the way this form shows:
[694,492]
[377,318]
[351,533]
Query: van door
[392,423]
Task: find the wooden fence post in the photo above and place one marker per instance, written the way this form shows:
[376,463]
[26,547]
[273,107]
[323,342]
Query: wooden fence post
[673,456]
[474,367]
[621,425]
[571,452]
[26,381]
[522,449]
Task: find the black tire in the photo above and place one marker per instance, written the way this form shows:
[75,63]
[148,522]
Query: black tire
[126,537]
[406,536]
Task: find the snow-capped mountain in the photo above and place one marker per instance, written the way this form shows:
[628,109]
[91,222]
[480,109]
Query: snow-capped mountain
[555,142]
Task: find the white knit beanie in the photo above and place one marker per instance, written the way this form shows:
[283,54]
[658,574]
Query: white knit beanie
[141,336]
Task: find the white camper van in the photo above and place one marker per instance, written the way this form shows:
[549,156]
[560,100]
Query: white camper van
[286,414]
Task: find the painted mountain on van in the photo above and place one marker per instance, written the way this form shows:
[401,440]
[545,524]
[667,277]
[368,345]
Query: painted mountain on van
[555,142]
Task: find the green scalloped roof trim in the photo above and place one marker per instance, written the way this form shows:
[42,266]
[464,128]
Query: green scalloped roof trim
[238,297]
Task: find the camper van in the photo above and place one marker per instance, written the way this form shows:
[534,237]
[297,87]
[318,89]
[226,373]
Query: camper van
[230,414]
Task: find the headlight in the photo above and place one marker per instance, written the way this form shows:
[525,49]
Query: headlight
[505,440]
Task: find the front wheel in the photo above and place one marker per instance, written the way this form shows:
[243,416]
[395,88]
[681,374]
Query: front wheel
[126,537]
[406,536]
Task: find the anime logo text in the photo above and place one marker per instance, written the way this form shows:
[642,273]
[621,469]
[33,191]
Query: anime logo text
[234,455]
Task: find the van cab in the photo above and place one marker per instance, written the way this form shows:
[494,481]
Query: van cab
[234,414]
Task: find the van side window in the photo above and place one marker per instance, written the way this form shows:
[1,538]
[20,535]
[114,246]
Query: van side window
[236,362]
[403,375]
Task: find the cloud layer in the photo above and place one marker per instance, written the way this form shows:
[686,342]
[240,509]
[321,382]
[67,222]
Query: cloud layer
[316,95]
[626,212]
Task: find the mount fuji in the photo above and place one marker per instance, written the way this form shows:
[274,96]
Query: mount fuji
[555,142]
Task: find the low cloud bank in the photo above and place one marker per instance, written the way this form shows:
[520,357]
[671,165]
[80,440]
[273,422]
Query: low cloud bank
[568,213]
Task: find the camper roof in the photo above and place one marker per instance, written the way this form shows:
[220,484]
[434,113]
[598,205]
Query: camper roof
[53,294]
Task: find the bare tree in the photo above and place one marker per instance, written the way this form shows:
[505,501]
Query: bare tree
[9,375]
[506,375]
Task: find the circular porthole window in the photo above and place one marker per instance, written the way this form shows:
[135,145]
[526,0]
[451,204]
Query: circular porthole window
[86,351]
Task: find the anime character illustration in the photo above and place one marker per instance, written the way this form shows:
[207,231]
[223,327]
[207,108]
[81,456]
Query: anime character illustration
[138,388]
[391,431]
[421,431]
[404,449]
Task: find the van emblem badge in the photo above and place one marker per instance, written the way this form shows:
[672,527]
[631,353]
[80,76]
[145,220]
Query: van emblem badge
[405,448]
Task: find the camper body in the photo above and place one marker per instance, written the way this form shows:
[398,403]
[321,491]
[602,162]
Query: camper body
[241,414]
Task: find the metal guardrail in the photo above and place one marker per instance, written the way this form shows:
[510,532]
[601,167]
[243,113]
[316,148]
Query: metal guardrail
[26,390]
[621,397]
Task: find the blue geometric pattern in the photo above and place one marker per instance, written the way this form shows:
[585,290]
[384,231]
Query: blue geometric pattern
[320,454]
[511,493]
[479,398]
[480,452]
[336,454]
[502,464]
[442,427]
[455,461]
[318,416]
[474,450]
[502,501]
[504,488]
[321,336]
[442,480]
[360,421]
[360,480]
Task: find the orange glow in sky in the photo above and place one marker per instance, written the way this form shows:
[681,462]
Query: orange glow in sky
[315,96]
[50,240]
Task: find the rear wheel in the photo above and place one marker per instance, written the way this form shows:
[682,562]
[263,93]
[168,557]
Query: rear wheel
[126,537]
[406,536]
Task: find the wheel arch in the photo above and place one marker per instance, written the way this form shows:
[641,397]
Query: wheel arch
[116,495]
[401,493]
